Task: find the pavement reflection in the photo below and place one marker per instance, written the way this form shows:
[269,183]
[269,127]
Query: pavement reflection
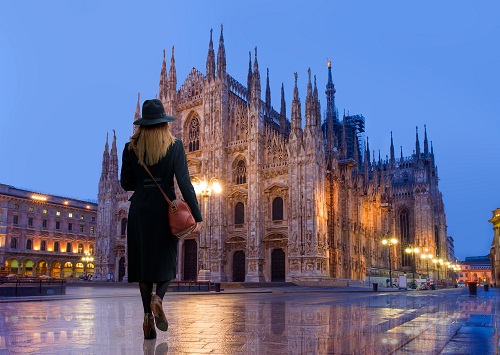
[106,320]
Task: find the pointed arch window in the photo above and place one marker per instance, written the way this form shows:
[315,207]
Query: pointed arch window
[194,135]
[278,209]
[240,173]
[124,227]
[404,232]
[239,213]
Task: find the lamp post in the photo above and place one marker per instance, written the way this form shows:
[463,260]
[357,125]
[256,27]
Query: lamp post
[390,243]
[414,252]
[426,256]
[438,263]
[205,187]
[86,259]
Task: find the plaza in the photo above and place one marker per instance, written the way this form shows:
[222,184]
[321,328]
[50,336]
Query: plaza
[266,320]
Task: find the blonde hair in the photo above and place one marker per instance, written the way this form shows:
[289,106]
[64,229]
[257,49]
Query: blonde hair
[152,143]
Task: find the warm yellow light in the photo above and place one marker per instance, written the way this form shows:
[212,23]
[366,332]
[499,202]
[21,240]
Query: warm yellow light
[216,186]
[408,250]
[49,249]
[384,241]
[416,250]
[203,184]
[394,241]
[88,207]
[35,248]
[38,197]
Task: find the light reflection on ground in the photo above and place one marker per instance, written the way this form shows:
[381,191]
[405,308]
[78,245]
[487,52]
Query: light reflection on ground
[109,321]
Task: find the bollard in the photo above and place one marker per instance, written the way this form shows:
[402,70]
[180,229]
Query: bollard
[472,288]
[217,287]
[375,287]
[486,287]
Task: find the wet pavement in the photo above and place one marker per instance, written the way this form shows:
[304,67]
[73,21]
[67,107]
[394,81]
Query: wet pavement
[274,320]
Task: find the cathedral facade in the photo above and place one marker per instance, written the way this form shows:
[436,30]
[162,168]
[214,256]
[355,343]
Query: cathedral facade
[304,198]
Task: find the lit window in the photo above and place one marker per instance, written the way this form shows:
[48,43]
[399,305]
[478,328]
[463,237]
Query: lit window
[81,228]
[58,213]
[70,215]
[45,211]
[31,209]
[16,206]
[92,229]
[82,217]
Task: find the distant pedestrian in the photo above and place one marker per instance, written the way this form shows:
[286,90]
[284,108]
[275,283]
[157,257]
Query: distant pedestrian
[152,248]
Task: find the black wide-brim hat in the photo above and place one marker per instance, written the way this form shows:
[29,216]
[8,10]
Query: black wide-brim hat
[153,113]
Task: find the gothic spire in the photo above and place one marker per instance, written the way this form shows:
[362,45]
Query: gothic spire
[249,77]
[283,110]
[113,160]
[268,93]
[172,77]
[318,104]
[105,161]
[296,110]
[417,144]
[330,95]
[210,60]
[256,79]
[392,150]
[426,143]
[137,113]
[163,79]
[310,107]
[401,152]
[221,57]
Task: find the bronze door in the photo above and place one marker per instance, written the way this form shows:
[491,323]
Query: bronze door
[239,266]
[278,265]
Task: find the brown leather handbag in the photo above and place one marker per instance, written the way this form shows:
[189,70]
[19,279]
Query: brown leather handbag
[180,217]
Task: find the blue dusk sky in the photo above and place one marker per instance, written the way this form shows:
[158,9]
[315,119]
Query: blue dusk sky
[71,71]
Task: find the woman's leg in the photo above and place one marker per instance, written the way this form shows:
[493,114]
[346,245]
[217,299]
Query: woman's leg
[161,288]
[146,289]
[157,307]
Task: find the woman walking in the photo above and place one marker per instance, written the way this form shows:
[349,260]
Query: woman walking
[151,246]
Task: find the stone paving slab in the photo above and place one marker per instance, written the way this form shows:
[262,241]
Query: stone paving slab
[291,320]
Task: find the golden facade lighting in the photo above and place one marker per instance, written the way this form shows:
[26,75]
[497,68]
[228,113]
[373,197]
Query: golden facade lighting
[38,197]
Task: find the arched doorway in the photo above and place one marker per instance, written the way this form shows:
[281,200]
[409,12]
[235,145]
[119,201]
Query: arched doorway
[239,266]
[277,265]
[190,260]
[121,269]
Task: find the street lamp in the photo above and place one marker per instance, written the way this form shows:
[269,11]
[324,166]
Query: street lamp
[426,256]
[438,263]
[414,252]
[205,187]
[86,259]
[390,243]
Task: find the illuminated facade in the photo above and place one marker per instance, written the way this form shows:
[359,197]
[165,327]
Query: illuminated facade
[495,247]
[475,268]
[303,198]
[44,234]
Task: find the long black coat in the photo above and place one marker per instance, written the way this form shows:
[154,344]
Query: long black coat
[152,249]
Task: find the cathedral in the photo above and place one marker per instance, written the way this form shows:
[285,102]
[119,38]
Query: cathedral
[303,198]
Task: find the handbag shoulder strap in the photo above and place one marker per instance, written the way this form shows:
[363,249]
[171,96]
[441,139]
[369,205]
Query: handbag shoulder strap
[152,177]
